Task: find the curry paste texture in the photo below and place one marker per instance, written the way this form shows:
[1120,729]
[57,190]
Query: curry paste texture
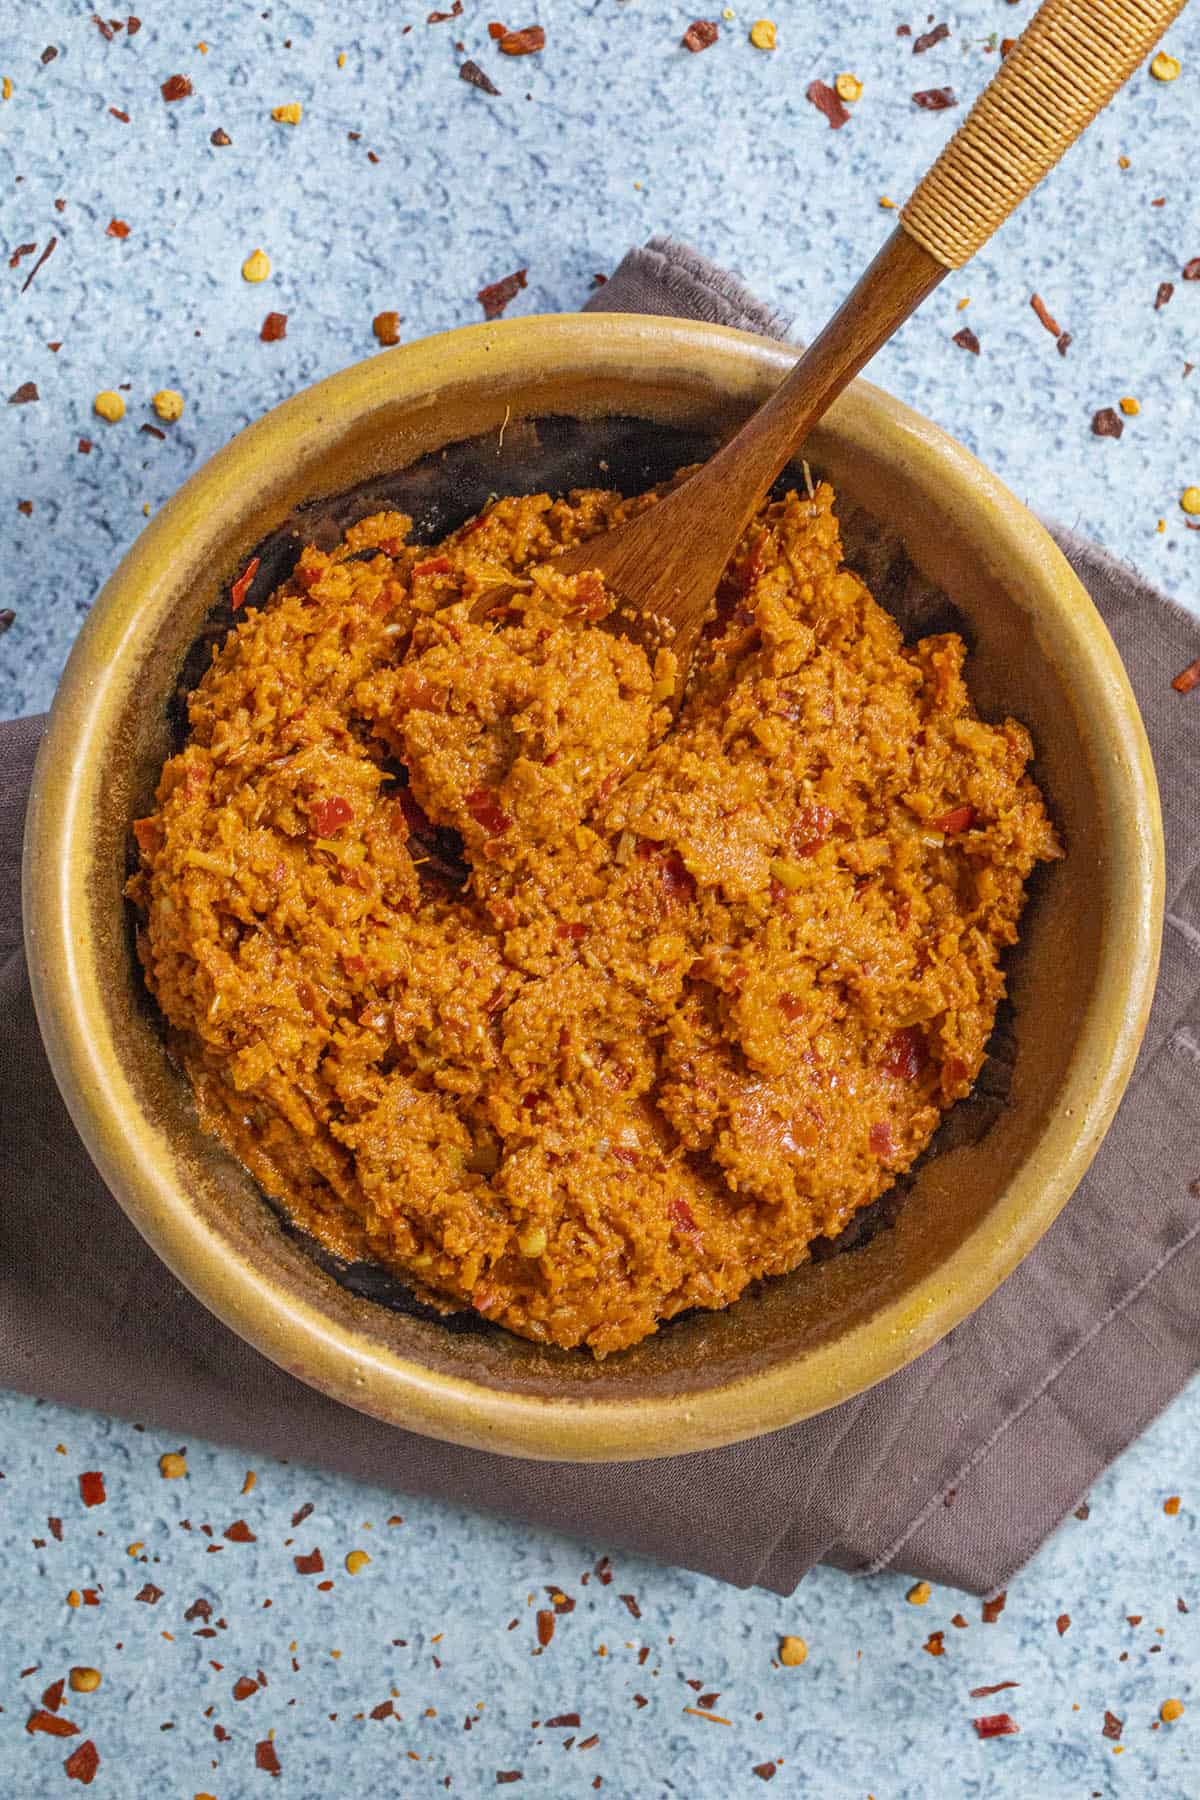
[675,1000]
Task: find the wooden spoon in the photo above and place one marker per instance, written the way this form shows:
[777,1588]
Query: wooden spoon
[664,565]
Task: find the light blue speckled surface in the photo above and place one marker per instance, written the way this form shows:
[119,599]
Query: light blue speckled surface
[729,156]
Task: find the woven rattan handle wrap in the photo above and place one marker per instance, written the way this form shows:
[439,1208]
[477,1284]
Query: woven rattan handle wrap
[1069,63]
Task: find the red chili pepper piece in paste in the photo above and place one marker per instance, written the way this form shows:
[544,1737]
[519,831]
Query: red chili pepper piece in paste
[959,818]
[241,586]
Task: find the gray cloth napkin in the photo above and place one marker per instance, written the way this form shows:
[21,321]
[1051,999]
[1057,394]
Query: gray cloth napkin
[955,1469]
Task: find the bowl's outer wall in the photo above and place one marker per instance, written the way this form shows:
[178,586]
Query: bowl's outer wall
[1082,980]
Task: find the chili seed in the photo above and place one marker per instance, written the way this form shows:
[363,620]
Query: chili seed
[762,34]
[1190,502]
[168,404]
[849,87]
[257,266]
[291,114]
[172,1466]
[356,1562]
[1170,1710]
[1164,67]
[85,1681]
[792,1652]
[918,1594]
[109,405]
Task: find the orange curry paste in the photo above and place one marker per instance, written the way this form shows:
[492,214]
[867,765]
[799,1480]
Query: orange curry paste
[674,1001]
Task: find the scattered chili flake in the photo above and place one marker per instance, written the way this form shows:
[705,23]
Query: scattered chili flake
[199,1609]
[935,99]
[713,1718]
[1083,1510]
[220,138]
[826,101]
[545,1627]
[997,1687]
[701,34]
[496,295]
[85,446]
[523,43]
[563,1722]
[630,1602]
[1043,312]
[26,507]
[103,27]
[312,1564]
[52,1698]
[91,1597]
[640,1700]
[44,258]
[239,1533]
[603,1571]
[1106,423]
[117,228]
[302,1513]
[153,431]
[48,54]
[91,1488]
[22,396]
[82,1763]
[928,39]
[243,1687]
[176,87]
[50,1723]
[133,25]
[935,1643]
[150,1594]
[966,340]
[240,589]
[386,326]
[1064,343]
[55,1528]
[274,327]
[504,1776]
[959,1622]
[20,251]
[118,114]
[1062,1624]
[1113,1726]
[496,30]
[904,31]
[993,1608]
[471,71]
[1191,270]
[996,1725]
[266,1759]
[438,18]
[764,1771]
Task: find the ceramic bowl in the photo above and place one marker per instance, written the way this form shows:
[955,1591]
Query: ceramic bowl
[559,401]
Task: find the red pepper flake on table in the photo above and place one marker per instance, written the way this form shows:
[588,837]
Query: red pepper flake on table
[312,1564]
[220,138]
[82,1763]
[1187,679]
[176,87]
[20,251]
[765,1771]
[386,326]
[996,1725]
[701,34]
[827,101]
[22,396]
[117,228]
[1113,1726]
[997,1687]
[118,114]
[1106,423]
[50,1723]
[266,1758]
[472,73]
[91,1488]
[1043,312]
[150,1594]
[274,327]
[935,99]
[496,295]
[966,340]
[438,18]
[992,1609]
[1191,270]
[53,1697]
[935,1643]
[928,39]
[526,42]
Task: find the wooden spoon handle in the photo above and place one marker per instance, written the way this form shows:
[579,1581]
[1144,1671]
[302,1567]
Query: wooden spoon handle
[1069,63]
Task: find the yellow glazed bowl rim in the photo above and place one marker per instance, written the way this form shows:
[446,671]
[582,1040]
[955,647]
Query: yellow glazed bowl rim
[287,1327]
